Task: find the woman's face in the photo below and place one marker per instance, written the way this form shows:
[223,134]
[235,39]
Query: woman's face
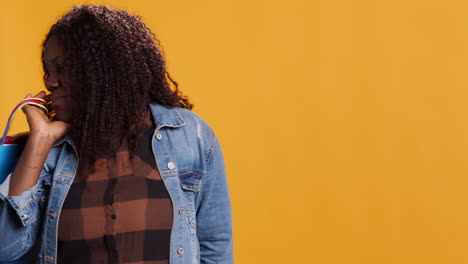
[57,80]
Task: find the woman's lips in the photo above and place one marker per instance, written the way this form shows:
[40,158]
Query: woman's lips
[56,99]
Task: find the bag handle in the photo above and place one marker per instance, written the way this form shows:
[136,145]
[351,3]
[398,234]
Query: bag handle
[39,102]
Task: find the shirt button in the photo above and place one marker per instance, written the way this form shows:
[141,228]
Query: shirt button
[180,251]
[171,165]
[181,210]
[159,136]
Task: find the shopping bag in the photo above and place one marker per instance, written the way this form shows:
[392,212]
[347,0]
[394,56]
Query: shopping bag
[12,146]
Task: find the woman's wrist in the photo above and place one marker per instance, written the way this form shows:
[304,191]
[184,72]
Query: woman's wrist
[41,137]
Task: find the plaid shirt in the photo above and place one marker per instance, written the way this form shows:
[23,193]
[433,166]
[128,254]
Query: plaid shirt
[122,213]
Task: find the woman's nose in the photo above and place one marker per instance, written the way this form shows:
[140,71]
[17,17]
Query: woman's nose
[52,82]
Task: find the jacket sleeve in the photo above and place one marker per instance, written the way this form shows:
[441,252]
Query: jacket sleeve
[20,219]
[214,216]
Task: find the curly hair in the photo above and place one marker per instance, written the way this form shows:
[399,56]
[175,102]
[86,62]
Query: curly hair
[116,69]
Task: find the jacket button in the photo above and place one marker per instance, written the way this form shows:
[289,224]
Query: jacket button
[181,210]
[171,165]
[180,251]
[159,136]
[44,199]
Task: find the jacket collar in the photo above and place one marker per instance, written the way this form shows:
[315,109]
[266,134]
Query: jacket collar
[164,116]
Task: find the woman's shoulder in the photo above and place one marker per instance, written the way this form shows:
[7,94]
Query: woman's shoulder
[177,117]
[190,126]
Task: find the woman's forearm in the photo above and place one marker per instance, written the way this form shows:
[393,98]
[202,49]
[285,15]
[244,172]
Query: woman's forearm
[30,164]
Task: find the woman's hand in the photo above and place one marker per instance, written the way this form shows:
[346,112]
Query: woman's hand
[39,123]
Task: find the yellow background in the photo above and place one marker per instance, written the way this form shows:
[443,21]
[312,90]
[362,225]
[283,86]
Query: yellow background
[343,123]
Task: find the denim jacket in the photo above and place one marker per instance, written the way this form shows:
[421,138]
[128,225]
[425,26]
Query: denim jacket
[191,164]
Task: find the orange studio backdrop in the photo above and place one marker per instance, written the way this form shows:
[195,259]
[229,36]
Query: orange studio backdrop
[343,122]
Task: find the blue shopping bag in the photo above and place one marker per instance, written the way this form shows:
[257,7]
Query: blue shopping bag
[9,156]
[12,146]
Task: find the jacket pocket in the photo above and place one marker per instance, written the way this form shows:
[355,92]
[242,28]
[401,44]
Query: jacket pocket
[190,180]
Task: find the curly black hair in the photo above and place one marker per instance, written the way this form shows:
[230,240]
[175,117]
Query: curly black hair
[116,68]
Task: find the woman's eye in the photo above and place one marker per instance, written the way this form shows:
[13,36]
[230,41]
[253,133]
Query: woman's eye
[60,68]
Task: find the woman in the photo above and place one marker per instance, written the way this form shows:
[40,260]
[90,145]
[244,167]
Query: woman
[124,172]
